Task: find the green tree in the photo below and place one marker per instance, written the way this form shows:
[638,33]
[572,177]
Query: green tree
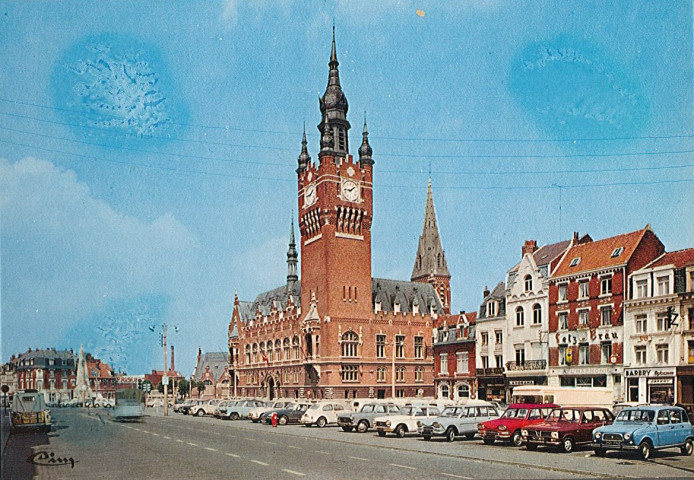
[183,387]
[160,387]
[200,386]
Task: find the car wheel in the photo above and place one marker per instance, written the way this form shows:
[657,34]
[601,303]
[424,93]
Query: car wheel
[200,413]
[488,441]
[450,434]
[427,437]
[516,439]
[567,445]
[362,426]
[530,446]
[321,422]
[688,447]
[600,452]
[400,431]
[234,415]
[645,450]
[381,433]
[283,420]
[346,429]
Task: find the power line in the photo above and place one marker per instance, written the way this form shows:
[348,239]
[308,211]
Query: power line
[386,137]
[456,187]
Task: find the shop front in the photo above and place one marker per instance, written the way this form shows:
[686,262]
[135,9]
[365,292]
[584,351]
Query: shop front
[650,385]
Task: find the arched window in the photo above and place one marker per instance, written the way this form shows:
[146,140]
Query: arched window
[295,347]
[520,317]
[537,314]
[278,350]
[349,344]
[248,354]
[270,356]
[255,353]
[528,283]
[463,390]
[262,357]
[445,391]
[286,349]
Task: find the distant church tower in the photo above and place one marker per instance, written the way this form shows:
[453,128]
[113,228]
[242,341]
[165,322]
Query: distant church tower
[430,263]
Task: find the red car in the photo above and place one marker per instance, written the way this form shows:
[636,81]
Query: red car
[566,427]
[509,425]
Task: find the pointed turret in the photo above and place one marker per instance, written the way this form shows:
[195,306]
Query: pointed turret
[365,150]
[333,107]
[430,263]
[292,261]
[304,157]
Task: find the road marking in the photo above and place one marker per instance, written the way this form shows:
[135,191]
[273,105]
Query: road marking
[401,466]
[320,451]
[359,458]
[179,440]
[269,443]
[211,449]
[168,438]
[155,434]
[455,476]
[145,431]
[192,444]
[292,446]
[292,471]
[137,429]
[232,455]
[259,462]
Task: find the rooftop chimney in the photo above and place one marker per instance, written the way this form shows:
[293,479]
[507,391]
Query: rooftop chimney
[575,238]
[529,247]
[486,292]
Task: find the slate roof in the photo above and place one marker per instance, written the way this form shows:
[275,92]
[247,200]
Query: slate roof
[275,298]
[217,361]
[499,295]
[678,259]
[599,254]
[545,254]
[407,294]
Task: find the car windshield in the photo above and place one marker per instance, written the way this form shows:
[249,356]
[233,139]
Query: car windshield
[367,408]
[635,416]
[515,413]
[563,415]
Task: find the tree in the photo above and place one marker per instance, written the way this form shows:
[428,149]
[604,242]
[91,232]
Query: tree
[201,387]
[160,387]
[183,387]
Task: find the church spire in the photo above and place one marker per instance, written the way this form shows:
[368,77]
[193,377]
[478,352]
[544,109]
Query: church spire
[430,263]
[333,107]
[292,257]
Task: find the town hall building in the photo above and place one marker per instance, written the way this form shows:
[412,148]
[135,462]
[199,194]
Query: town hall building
[336,331]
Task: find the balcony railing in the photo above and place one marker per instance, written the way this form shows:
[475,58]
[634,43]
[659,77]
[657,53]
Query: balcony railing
[481,372]
[527,365]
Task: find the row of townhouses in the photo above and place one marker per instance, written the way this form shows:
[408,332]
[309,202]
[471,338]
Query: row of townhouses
[603,321]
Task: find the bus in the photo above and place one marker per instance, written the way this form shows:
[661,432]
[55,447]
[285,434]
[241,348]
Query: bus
[130,405]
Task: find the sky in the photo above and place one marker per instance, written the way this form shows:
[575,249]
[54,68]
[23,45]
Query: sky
[148,149]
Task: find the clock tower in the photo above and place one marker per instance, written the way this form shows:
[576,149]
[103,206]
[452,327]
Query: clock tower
[335,197]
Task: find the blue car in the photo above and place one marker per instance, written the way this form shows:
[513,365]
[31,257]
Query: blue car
[645,429]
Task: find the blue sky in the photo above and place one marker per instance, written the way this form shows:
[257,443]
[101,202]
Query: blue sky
[148,149]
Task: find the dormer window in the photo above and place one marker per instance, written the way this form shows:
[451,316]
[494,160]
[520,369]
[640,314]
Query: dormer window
[377,306]
[575,262]
[491,309]
[617,252]
[396,307]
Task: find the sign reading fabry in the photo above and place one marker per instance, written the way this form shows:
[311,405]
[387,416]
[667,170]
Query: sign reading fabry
[649,372]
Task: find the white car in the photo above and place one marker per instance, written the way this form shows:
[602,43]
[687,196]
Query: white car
[255,413]
[241,408]
[406,421]
[322,413]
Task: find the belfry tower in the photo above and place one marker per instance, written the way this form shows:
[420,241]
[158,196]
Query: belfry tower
[335,211]
[430,263]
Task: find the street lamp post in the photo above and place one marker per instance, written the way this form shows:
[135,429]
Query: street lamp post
[165,378]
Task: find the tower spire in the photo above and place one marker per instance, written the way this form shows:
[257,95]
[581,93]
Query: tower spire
[430,263]
[292,257]
[333,106]
[304,157]
[365,150]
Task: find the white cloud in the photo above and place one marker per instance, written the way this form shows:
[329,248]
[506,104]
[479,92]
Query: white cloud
[66,254]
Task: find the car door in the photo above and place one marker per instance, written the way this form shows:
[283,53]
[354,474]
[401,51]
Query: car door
[666,433]
[678,426]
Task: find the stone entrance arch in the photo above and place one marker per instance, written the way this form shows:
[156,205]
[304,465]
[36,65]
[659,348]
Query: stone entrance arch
[271,388]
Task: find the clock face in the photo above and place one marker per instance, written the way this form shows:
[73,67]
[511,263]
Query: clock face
[350,190]
[310,195]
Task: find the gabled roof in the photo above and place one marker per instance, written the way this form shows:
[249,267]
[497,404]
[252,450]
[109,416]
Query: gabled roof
[407,294]
[678,259]
[545,254]
[600,254]
[217,361]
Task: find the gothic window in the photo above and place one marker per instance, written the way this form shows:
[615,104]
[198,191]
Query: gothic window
[380,346]
[381,374]
[400,374]
[418,344]
[349,344]
[419,374]
[285,344]
[520,317]
[350,373]
[400,346]
[255,353]
[528,284]
[537,314]
[269,351]
[278,350]
[295,345]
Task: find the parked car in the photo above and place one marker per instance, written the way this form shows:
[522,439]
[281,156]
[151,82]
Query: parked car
[221,408]
[405,421]
[29,412]
[255,413]
[206,408]
[241,408]
[185,408]
[457,421]
[178,406]
[566,427]
[646,429]
[322,413]
[363,419]
[287,415]
[516,417]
